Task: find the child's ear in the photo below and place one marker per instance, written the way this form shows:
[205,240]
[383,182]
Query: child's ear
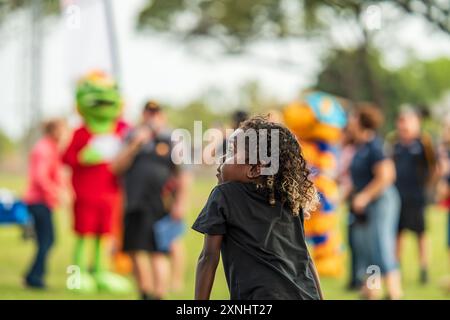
[254,171]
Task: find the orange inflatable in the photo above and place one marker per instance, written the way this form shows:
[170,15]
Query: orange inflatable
[317,120]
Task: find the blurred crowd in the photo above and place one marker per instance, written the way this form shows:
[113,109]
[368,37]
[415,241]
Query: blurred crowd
[386,182]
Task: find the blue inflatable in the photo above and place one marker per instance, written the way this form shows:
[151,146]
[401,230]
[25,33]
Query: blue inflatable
[14,213]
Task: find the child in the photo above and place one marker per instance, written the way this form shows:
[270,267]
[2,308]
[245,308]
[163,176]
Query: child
[256,222]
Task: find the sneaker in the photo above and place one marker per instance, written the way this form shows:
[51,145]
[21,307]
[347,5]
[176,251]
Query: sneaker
[423,276]
[84,284]
[112,283]
[34,284]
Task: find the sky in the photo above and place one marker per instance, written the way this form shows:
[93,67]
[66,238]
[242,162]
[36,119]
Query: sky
[154,66]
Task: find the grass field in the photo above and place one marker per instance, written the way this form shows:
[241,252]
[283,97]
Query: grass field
[15,254]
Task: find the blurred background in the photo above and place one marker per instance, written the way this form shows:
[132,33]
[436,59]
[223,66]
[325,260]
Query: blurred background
[203,60]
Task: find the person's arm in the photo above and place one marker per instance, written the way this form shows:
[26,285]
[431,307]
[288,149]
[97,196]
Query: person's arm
[206,266]
[384,176]
[184,178]
[316,278]
[432,163]
[346,190]
[126,156]
[70,156]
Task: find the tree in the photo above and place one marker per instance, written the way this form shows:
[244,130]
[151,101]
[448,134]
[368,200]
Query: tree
[6,145]
[9,6]
[436,12]
[197,109]
[418,83]
[232,22]
[235,22]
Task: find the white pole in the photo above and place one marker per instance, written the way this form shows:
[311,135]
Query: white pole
[35,83]
[112,37]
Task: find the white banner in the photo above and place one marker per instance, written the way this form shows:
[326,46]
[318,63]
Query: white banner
[87,43]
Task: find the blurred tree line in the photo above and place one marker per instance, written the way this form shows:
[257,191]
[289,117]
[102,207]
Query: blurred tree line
[47,6]
[6,145]
[215,108]
[418,83]
[355,73]
[236,22]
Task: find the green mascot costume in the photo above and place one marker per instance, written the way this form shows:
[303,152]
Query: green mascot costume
[93,147]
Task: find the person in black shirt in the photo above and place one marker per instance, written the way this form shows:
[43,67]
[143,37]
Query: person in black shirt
[255,222]
[415,162]
[155,187]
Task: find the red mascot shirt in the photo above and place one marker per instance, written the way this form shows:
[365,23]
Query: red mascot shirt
[96,187]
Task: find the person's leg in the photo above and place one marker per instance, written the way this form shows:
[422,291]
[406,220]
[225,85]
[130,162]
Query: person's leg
[393,283]
[80,253]
[353,283]
[99,254]
[399,245]
[142,274]
[137,243]
[107,281]
[423,257]
[387,226]
[178,259]
[383,217]
[44,238]
[160,271]
[401,229]
[372,289]
[360,254]
[83,214]
[422,242]
[31,278]
[86,283]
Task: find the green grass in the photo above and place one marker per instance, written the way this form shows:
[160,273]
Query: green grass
[16,253]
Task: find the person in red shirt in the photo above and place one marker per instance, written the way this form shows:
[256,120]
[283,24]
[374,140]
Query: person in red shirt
[44,184]
[96,188]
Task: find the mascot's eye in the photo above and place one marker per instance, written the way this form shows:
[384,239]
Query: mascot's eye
[89,103]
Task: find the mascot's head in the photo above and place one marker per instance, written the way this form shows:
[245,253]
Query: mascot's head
[98,101]
[318,116]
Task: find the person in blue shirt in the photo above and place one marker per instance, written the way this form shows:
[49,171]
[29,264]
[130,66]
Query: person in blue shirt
[374,202]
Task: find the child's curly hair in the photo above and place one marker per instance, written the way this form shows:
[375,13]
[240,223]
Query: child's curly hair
[291,183]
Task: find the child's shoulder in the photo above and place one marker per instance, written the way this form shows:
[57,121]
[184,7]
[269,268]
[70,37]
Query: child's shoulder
[231,187]
[233,191]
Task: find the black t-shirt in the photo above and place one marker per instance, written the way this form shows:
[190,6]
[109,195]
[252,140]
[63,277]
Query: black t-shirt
[150,170]
[413,170]
[264,252]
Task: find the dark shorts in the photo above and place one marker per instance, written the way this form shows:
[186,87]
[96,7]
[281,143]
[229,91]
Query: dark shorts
[138,231]
[412,217]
